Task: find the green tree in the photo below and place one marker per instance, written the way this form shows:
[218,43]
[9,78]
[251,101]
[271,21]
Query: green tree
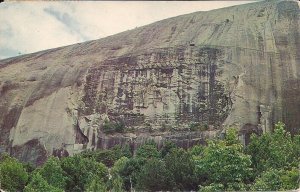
[147,151]
[212,187]
[167,147]
[122,151]
[52,172]
[129,172]
[118,166]
[231,137]
[13,176]
[224,162]
[111,127]
[268,181]
[274,150]
[108,156]
[181,165]
[290,179]
[116,182]
[155,177]
[96,185]
[277,179]
[81,171]
[29,167]
[196,150]
[38,183]
[237,186]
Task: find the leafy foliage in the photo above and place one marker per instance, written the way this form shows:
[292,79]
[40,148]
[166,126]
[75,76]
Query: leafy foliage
[117,183]
[108,157]
[122,151]
[155,177]
[270,162]
[275,180]
[268,181]
[129,172]
[52,172]
[196,150]
[13,175]
[167,147]
[212,187]
[96,185]
[198,127]
[224,161]
[119,166]
[81,171]
[274,150]
[38,183]
[111,127]
[180,164]
[290,179]
[147,151]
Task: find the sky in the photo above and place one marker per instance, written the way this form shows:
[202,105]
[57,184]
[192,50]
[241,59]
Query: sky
[31,26]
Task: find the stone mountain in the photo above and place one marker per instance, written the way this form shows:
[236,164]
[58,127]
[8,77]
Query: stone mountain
[184,79]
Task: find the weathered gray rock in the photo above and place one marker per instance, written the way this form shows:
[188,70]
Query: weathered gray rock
[237,66]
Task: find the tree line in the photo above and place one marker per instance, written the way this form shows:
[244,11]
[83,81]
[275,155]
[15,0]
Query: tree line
[269,163]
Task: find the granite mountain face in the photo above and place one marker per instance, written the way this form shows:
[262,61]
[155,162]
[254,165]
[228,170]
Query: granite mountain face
[183,79]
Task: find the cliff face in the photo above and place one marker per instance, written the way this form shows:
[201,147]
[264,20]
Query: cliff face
[237,66]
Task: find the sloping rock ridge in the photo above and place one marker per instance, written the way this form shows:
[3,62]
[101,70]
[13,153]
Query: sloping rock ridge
[183,79]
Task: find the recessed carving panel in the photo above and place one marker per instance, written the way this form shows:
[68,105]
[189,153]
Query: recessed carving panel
[166,86]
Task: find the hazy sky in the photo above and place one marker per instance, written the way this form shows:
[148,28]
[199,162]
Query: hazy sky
[28,27]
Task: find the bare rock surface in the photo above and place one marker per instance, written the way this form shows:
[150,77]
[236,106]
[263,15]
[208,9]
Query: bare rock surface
[183,79]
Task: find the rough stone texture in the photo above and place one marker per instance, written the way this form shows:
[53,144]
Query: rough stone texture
[237,66]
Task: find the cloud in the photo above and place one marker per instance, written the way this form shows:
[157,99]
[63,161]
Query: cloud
[6,30]
[25,27]
[28,27]
[70,22]
[7,52]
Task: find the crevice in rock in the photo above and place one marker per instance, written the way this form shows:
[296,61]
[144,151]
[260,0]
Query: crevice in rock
[80,138]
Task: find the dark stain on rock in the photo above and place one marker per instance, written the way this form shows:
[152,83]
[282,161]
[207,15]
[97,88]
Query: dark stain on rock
[32,151]
[291,105]
[6,86]
[183,140]
[127,74]
[247,130]
[60,153]
[94,139]
[10,120]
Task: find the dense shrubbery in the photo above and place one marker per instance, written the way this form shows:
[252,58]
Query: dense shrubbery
[112,127]
[198,127]
[108,157]
[13,175]
[270,162]
[48,177]
[154,176]
[223,164]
